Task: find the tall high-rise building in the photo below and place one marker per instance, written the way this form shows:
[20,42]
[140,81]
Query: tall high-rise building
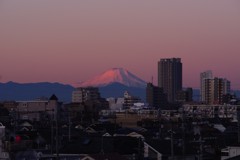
[170,77]
[203,76]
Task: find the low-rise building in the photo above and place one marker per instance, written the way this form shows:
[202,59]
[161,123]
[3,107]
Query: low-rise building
[230,152]
[211,111]
[185,95]
[129,100]
[155,96]
[84,94]
[32,110]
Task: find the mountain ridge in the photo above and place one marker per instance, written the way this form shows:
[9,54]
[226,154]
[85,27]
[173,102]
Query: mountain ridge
[30,91]
[14,91]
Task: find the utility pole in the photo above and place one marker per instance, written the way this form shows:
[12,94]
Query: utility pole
[102,150]
[172,145]
[238,122]
[69,127]
[183,133]
[171,134]
[139,148]
[172,140]
[57,133]
[201,147]
[52,117]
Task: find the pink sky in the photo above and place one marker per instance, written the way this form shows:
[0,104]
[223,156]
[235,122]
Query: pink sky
[71,41]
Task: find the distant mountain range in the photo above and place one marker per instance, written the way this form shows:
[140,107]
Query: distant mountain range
[112,83]
[31,91]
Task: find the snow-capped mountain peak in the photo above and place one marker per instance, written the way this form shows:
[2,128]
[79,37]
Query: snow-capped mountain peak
[115,75]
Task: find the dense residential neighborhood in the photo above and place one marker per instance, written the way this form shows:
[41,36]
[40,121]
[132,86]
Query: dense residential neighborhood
[95,128]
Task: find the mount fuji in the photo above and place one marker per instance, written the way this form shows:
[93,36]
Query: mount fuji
[115,75]
[114,82]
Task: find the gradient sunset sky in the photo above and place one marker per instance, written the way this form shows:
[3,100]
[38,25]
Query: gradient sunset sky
[70,41]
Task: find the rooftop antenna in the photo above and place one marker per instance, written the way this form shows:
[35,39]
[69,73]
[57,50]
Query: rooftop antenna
[152,79]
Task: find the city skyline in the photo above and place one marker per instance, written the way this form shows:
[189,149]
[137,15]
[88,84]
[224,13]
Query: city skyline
[69,42]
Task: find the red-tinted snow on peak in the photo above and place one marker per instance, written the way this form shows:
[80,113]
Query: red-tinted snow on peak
[115,75]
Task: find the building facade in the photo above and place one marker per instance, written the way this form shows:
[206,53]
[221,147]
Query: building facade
[215,89]
[185,96]
[129,100]
[170,77]
[33,110]
[211,111]
[203,76]
[84,94]
[155,96]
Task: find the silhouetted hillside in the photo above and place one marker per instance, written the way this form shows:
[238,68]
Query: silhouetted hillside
[31,91]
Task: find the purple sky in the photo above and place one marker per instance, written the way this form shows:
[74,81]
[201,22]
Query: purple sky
[74,40]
